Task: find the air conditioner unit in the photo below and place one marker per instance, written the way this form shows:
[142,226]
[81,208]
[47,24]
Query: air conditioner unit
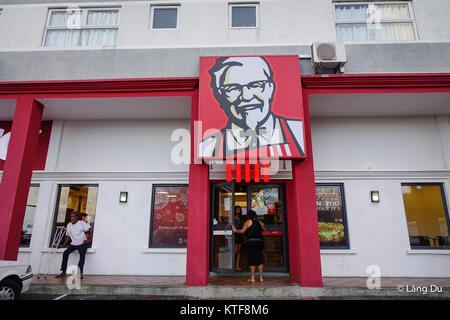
[329,55]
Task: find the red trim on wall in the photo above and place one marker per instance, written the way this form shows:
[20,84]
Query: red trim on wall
[413,80]
[99,86]
[334,83]
[376,83]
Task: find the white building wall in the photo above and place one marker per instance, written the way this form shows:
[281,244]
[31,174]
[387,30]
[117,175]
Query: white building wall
[408,149]
[206,23]
[368,154]
[130,156]
[120,145]
[403,143]
[430,19]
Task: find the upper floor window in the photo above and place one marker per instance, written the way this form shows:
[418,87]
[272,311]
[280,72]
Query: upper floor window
[165,17]
[375,21]
[82,28]
[243,15]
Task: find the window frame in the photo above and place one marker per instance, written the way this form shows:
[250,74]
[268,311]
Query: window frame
[441,185]
[152,216]
[84,26]
[344,215]
[412,19]
[152,15]
[55,211]
[232,5]
[32,185]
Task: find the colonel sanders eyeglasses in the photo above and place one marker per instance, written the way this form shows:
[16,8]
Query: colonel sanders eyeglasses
[234,90]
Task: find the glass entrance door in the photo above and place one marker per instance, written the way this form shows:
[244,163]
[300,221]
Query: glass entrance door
[222,234]
[267,200]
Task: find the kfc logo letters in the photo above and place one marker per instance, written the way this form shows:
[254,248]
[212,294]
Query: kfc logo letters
[251,107]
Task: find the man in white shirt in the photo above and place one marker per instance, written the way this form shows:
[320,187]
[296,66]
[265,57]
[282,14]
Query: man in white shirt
[76,231]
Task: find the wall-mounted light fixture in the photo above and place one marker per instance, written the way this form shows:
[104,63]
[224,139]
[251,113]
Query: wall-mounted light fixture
[375,196]
[123,197]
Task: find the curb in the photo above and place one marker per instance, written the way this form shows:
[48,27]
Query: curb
[223,292]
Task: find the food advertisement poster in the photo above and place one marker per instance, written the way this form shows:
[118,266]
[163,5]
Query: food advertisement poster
[331,216]
[264,201]
[169,219]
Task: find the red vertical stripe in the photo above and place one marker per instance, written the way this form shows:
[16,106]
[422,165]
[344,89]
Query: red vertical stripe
[238,171]
[266,170]
[257,170]
[229,171]
[247,170]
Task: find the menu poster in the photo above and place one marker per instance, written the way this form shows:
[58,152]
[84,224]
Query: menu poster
[170,212]
[331,216]
[264,201]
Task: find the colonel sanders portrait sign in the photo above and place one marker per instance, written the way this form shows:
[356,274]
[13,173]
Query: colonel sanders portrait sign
[251,107]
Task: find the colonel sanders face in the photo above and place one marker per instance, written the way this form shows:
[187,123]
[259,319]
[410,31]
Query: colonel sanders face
[244,88]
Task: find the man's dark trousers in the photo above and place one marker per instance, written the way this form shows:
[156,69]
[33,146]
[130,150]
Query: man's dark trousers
[82,248]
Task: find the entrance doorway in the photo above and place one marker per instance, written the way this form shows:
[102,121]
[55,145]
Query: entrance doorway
[268,201]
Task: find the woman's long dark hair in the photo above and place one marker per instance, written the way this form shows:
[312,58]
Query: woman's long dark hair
[238,214]
[252,215]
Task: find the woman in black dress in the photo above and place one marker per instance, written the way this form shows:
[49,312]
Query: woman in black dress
[239,238]
[253,229]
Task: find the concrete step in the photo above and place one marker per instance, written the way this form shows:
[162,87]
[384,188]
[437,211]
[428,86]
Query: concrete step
[242,292]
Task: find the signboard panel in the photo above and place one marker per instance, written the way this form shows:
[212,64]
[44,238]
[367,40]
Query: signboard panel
[251,107]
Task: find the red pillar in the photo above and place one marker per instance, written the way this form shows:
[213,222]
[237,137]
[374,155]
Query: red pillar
[17,174]
[293,238]
[304,246]
[197,260]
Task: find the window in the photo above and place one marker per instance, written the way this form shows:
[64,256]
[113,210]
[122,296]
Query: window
[375,21]
[74,198]
[27,228]
[169,216]
[331,215]
[243,16]
[82,28]
[165,17]
[426,215]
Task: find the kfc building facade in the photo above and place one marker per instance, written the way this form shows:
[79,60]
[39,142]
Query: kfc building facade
[129,114]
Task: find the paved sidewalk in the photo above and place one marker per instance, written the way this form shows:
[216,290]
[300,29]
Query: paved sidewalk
[223,287]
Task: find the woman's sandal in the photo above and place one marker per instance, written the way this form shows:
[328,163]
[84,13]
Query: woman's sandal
[251,280]
[261,280]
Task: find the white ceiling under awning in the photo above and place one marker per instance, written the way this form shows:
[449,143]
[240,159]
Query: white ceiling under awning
[7,107]
[382,105]
[321,105]
[108,108]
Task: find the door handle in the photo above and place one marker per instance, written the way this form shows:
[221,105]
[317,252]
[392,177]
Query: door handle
[229,231]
